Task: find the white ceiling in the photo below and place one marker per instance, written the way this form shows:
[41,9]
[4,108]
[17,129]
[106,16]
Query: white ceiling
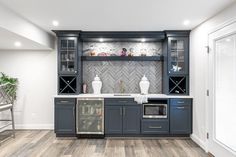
[117,15]
[7,40]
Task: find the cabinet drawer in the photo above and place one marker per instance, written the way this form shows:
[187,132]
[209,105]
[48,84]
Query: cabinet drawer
[180,101]
[64,100]
[122,101]
[155,127]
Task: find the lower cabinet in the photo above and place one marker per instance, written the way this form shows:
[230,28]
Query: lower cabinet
[153,126]
[181,116]
[113,120]
[64,121]
[122,118]
[131,119]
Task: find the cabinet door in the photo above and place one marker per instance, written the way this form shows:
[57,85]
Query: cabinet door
[64,117]
[131,119]
[113,119]
[181,116]
[178,55]
[67,58]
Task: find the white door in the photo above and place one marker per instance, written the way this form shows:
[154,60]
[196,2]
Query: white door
[222,89]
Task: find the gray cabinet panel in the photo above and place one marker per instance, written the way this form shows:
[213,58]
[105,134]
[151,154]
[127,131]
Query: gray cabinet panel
[131,119]
[64,116]
[113,119]
[181,116]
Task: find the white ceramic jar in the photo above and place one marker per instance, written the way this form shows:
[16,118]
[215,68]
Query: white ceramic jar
[144,85]
[97,85]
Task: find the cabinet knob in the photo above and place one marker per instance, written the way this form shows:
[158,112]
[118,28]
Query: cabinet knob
[75,71]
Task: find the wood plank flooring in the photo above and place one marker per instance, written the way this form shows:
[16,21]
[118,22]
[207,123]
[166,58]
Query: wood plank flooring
[45,144]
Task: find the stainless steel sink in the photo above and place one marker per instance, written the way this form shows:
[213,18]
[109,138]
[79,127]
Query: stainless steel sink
[121,94]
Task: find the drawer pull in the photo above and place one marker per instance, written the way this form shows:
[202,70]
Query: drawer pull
[123,101]
[181,107]
[64,101]
[180,102]
[155,127]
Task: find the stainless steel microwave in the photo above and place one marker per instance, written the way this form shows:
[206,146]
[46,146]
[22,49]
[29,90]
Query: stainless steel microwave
[155,110]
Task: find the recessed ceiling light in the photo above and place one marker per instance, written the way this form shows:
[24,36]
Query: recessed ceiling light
[186,22]
[17,44]
[228,39]
[143,39]
[101,39]
[55,23]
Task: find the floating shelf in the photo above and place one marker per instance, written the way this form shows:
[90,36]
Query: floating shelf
[122,58]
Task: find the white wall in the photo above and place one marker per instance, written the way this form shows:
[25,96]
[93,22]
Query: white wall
[198,73]
[37,74]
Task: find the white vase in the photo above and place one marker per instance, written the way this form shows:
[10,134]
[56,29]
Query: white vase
[144,85]
[97,85]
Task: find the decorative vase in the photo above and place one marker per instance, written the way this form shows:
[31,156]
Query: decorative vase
[144,85]
[97,85]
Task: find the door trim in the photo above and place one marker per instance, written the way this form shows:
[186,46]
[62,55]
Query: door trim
[217,33]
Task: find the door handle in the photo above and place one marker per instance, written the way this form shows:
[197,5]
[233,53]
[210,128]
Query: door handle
[121,111]
[124,111]
[73,111]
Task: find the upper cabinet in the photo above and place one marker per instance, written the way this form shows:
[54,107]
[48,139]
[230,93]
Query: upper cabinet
[67,48]
[69,62]
[178,55]
[176,63]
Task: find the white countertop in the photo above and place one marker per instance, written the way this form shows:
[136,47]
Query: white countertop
[121,96]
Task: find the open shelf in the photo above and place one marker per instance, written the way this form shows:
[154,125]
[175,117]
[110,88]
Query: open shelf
[122,58]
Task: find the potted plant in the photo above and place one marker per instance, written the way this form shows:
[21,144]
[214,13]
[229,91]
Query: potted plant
[10,85]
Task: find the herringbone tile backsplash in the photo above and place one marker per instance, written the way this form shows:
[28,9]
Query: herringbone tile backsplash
[130,72]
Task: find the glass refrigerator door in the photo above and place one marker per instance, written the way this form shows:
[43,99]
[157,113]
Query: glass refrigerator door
[90,117]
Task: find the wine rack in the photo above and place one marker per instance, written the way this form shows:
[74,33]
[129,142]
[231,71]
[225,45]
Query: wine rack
[177,85]
[67,84]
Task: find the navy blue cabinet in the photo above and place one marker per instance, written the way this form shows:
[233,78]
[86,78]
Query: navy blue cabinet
[178,55]
[69,62]
[67,57]
[154,126]
[176,63]
[64,121]
[181,116]
[122,116]
[113,119]
[131,119]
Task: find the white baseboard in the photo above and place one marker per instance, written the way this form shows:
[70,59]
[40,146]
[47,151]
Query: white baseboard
[197,140]
[35,126]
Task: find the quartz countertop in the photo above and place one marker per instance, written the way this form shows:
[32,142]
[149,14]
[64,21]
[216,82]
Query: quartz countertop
[118,95]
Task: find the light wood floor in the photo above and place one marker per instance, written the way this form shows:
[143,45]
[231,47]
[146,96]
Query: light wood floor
[44,143]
